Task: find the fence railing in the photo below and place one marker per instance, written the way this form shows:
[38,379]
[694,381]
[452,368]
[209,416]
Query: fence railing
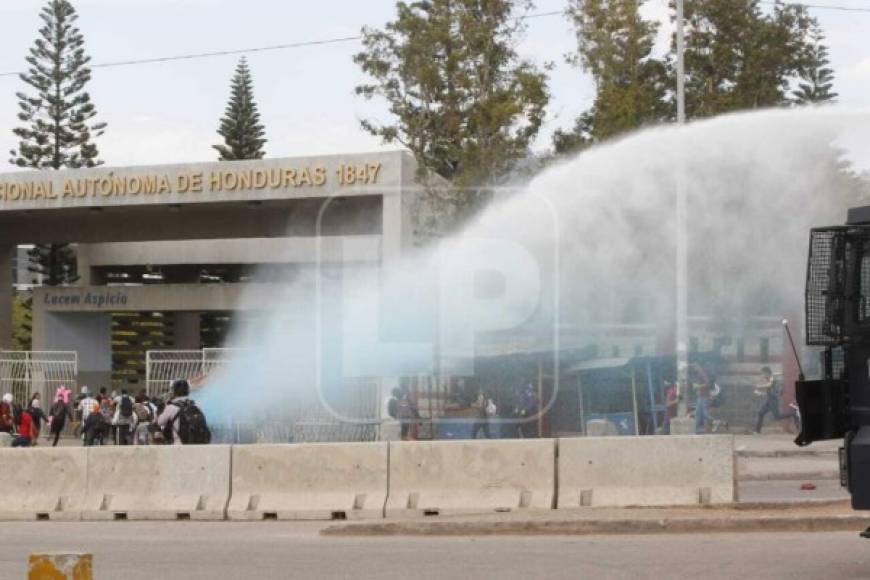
[163,366]
[307,421]
[23,373]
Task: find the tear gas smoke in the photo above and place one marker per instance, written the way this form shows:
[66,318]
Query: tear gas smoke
[588,244]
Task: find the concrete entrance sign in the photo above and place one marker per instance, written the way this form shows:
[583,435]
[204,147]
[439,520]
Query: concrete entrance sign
[301,212]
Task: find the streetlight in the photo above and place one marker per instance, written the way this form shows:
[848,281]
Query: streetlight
[682,233]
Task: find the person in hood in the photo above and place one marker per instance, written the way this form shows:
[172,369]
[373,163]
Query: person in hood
[36,412]
[57,416]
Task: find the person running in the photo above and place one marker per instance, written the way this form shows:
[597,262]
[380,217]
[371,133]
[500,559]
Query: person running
[57,417]
[182,422]
[771,390]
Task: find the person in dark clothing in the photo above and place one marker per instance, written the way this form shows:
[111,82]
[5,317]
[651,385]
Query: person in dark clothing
[771,390]
[34,407]
[95,428]
[527,412]
[58,413]
[405,415]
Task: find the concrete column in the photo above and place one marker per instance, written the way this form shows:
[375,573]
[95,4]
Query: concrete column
[391,228]
[83,265]
[6,294]
[186,326]
[89,334]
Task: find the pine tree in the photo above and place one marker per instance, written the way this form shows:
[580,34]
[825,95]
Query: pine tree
[739,57]
[614,45]
[462,100]
[816,81]
[240,127]
[58,131]
[58,117]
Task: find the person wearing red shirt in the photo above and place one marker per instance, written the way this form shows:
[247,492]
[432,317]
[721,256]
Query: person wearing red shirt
[28,432]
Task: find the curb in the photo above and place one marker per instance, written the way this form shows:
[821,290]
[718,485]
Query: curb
[831,523]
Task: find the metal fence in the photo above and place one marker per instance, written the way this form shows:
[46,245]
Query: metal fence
[24,373]
[163,366]
[307,421]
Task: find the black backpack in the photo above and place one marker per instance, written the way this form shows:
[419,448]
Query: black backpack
[126,406]
[192,426]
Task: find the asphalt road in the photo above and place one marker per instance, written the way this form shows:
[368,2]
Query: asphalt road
[224,550]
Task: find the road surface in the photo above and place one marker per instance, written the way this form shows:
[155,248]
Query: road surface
[229,550]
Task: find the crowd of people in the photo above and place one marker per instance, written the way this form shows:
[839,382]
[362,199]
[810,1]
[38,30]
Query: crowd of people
[709,396]
[102,418]
[487,420]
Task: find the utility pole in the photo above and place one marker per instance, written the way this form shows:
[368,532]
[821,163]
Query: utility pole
[682,313]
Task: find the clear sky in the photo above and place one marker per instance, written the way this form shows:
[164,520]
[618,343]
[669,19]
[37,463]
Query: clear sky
[167,113]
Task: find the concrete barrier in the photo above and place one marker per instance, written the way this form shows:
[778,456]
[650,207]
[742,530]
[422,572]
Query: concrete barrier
[158,482]
[476,476]
[42,483]
[309,481]
[646,471]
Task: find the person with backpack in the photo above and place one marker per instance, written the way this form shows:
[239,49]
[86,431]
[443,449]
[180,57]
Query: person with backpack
[771,390]
[124,420]
[144,416]
[57,417]
[182,422]
[95,427]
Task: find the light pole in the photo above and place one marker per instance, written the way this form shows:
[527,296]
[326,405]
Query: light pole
[682,322]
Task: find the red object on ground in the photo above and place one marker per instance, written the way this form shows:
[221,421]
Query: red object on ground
[808,486]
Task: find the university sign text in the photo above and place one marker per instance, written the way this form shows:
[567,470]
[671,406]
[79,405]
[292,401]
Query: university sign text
[188,182]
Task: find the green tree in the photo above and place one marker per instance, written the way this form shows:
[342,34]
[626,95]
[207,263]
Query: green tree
[615,45]
[739,57]
[52,264]
[241,129]
[816,81]
[461,99]
[58,118]
[21,323]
